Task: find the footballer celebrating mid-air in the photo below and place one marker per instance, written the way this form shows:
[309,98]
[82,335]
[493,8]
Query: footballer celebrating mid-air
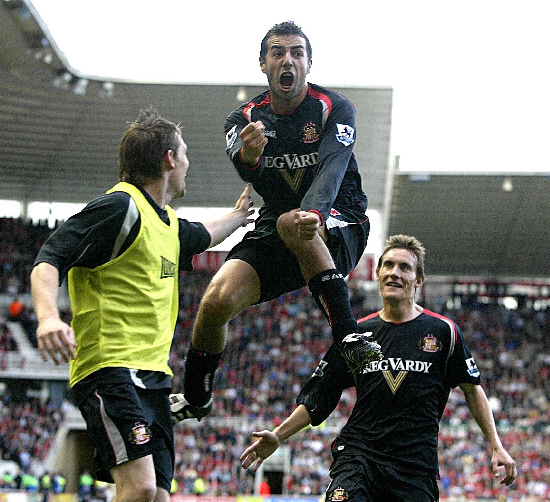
[294,143]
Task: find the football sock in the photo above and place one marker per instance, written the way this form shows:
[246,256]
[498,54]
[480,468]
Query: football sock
[330,292]
[200,368]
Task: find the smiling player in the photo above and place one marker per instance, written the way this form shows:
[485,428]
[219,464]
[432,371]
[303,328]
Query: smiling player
[387,451]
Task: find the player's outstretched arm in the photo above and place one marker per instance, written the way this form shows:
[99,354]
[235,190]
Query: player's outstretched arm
[268,442]
[240,216]
[503,465]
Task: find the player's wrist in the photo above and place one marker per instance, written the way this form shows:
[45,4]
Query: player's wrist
[317,213]
[279,435]
[249,161]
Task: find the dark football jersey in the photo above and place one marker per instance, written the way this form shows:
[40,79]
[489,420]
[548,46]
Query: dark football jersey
[105,228]
[401,398]
[308,161]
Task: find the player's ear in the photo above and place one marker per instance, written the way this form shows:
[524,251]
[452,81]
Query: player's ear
[262,64]
[169,162]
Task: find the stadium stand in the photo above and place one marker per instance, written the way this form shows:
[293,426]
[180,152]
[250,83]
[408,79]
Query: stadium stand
[272,349]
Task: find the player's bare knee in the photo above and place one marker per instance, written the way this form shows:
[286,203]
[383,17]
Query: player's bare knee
[219,303]
[146,493]
[139,492]
[162,495]
[212,306]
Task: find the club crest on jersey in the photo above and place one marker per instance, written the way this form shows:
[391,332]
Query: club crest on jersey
[339,494]
[345,134]
[309,133]
[140,433]
[430,344]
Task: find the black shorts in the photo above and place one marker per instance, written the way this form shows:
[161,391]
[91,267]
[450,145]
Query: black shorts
[276,265]
[355,478]
[126,422]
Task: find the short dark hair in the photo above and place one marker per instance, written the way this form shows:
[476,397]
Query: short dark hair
[409,243]
[285,28]
[144,145]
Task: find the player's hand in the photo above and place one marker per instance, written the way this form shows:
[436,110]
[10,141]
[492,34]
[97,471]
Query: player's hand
[244,205]
[56,340]
[307,224]
[503,466]
[254,141]
[258,451]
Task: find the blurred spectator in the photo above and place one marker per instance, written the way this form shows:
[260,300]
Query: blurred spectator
[46,486]
[199,486]
[85,486]
[101,491]
[265,489]
[7,340]
[30,483]
[7,481]
[16,309]
[59,483]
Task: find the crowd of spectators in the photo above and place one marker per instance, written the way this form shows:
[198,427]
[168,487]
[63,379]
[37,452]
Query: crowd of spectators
[8,343]
[7,340]
[20,241]
[27,430]
[271,351]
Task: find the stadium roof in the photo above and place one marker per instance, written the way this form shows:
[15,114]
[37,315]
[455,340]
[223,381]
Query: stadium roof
[60,142]
[60,145]
[494,227]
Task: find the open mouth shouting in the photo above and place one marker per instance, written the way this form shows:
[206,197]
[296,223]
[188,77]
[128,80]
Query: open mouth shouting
[286,80]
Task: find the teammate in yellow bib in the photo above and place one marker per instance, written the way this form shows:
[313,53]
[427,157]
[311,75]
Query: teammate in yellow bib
[126,290]
[122,254]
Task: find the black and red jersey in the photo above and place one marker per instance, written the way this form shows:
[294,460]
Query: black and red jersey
[400,399]
[105,228]
[308,161]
